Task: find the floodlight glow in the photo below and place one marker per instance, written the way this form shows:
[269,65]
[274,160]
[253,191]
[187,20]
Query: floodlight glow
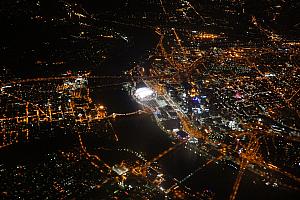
[143,92]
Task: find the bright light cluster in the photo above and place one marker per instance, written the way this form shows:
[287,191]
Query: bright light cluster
[142,93]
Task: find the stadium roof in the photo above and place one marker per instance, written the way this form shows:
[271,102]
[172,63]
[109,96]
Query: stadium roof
[143,92]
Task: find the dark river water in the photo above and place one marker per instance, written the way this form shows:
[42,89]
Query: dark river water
[141,134]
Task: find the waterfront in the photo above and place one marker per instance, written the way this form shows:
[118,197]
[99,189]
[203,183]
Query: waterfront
[142,134]
[217,118]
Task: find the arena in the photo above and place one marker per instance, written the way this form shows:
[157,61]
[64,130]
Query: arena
[144,93]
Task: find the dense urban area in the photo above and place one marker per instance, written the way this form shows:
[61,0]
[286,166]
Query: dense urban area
[150,99]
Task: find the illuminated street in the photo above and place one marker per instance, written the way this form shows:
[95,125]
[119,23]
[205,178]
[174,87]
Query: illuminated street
[150,99]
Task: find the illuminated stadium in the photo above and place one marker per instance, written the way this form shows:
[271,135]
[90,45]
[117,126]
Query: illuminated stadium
[144,93]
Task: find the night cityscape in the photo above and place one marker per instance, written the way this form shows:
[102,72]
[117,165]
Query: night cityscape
[150,99]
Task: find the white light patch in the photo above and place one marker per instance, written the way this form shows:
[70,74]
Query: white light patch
[143,92]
